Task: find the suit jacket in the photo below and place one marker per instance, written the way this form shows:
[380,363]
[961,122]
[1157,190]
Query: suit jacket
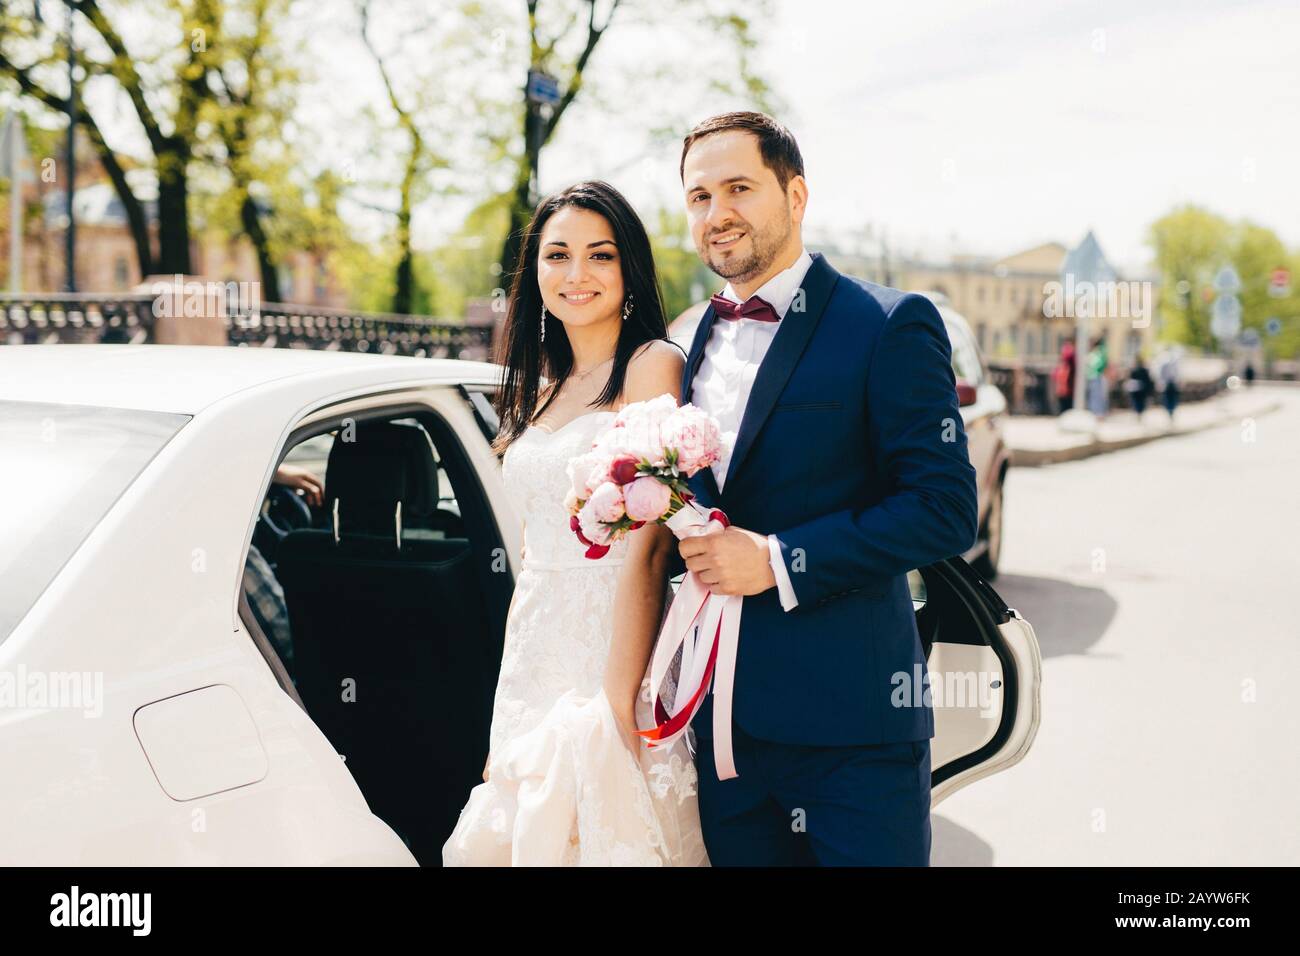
[852,452]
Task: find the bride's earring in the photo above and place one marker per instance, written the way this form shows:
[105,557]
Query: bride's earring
[543,324]
[627,306]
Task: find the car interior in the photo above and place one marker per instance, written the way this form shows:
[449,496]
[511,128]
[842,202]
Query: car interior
[395,611]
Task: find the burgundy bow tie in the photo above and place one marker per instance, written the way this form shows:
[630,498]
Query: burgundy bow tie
[752,308]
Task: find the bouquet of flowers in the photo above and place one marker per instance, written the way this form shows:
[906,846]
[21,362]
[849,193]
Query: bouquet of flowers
[636,471]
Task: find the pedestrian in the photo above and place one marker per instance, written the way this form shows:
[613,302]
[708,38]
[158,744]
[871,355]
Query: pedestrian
[1098,360]
[1063,377]
[1167,377]
[1138,385]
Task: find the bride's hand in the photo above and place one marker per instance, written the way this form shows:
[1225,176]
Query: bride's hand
[627,729]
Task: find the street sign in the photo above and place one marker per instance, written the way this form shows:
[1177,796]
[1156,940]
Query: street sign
[1225,321]
[1225,313]
[1226,308]
[1227,281]
[543,88]
[1279,283]
[1249,338]
[1273,326]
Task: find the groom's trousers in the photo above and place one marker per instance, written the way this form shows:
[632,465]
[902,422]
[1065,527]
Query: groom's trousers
[807,805]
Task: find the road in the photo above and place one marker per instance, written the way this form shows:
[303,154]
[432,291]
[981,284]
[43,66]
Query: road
[1159,581]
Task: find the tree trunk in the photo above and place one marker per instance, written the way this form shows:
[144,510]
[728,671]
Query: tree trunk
[404,294]
[519,215]
[173,212]
[252,221]
[135,216]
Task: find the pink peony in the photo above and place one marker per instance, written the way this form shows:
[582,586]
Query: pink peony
[646,499]
[590,529]
[607,502]
[638,427]
[695,436]
[588,472]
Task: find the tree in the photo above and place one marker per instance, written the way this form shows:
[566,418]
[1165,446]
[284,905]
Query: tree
[1190,244]
[563,45]
[170,130]
[417,161]
[246,113]
[683,278]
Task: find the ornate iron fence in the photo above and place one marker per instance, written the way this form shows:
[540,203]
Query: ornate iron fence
[45,317]
[34,318]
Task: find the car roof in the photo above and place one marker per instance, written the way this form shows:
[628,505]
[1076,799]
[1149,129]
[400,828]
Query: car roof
[188,378]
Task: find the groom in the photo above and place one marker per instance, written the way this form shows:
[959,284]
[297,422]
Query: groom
[847,468]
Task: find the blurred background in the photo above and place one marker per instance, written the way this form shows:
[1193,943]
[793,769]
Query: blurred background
[1101,197]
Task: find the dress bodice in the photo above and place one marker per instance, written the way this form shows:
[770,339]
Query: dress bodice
[535,472]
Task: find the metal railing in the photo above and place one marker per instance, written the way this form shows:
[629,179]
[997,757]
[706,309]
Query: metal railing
[45,318]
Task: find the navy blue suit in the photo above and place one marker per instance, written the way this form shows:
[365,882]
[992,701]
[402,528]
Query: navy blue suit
[852,452]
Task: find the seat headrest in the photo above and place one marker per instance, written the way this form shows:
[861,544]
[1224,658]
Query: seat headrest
[384,464]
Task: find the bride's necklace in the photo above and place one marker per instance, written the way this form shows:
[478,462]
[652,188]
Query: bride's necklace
[581,375]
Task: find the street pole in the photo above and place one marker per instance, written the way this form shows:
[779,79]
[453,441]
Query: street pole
[13,163]
[70,168]
[15,213]
[1081,317]
[533,145]
[541,94]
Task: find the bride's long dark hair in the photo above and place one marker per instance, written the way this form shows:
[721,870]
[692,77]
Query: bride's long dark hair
[526,358]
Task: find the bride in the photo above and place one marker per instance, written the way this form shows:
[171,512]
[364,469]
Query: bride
[567,781]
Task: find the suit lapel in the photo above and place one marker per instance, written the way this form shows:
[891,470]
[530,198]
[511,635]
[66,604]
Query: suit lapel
[696,355]
[782,356]
[706,484]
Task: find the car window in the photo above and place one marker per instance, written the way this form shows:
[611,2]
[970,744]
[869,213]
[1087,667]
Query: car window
[313,454]
[64,467]
[965,357]
[480,402]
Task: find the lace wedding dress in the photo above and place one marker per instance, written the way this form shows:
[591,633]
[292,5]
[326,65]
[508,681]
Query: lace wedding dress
[563,788]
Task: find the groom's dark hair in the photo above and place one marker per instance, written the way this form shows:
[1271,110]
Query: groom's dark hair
[776,144]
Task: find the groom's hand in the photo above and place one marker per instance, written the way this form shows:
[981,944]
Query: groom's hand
[731,561]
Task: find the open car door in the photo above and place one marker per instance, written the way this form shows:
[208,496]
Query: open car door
[984,669]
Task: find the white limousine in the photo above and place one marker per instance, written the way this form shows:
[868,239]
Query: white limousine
[154,707]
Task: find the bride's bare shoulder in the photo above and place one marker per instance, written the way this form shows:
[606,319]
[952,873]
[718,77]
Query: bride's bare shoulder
[662,350]
[657,358]
[654,369]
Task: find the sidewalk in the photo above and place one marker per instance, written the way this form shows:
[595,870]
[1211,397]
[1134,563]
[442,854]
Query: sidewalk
[1036,439]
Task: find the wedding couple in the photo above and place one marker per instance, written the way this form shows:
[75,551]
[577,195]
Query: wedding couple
[845,466]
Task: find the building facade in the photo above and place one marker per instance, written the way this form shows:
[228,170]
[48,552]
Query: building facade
[1017,305]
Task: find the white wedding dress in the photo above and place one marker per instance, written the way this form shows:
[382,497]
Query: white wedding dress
[563,788]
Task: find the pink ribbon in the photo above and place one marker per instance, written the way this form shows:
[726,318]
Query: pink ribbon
[697,611]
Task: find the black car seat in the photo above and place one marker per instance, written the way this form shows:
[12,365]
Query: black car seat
[389,634]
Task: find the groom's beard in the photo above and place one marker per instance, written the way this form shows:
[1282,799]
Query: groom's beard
[765,245]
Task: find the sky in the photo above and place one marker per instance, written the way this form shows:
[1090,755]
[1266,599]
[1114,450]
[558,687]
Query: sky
[975,126]
[989,127]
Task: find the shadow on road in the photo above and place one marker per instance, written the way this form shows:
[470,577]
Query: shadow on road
[1068,618]
[953,845]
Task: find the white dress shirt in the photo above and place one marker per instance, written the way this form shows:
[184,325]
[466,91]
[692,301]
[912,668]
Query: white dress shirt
[732,355]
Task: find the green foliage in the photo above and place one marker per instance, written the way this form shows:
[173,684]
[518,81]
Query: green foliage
[683,278]
[1191,245]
